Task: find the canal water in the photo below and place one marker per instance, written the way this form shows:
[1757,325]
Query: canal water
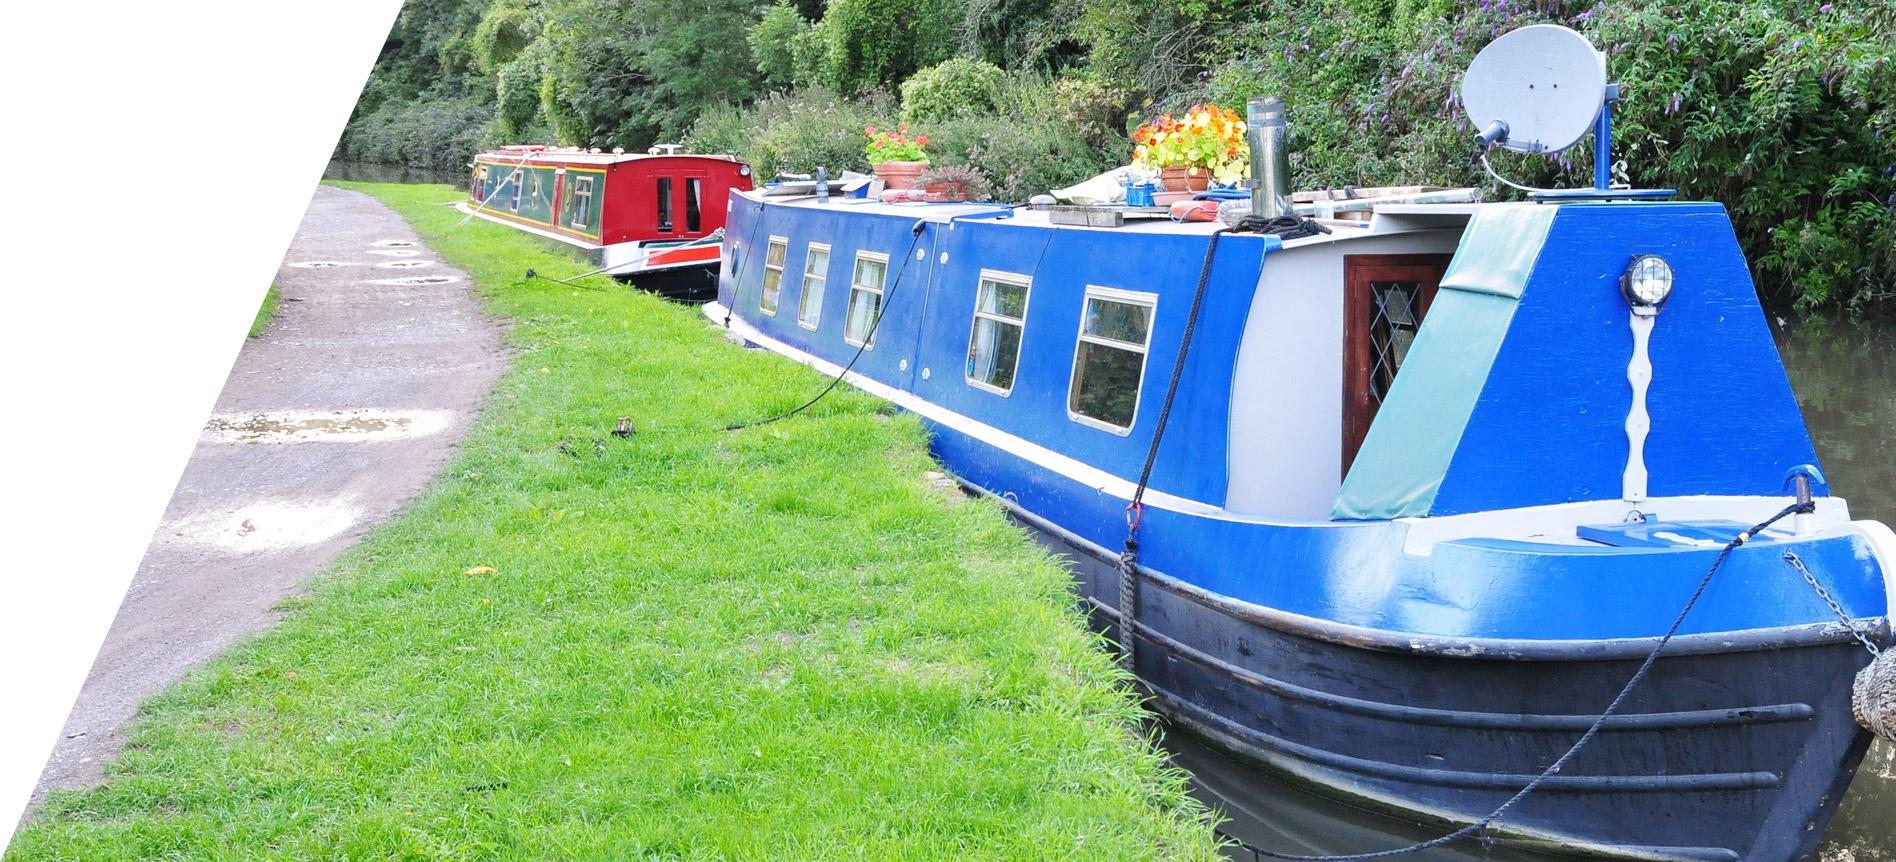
[377,172]
[1845,377]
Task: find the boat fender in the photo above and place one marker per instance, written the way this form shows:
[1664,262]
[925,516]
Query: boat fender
[1873,697]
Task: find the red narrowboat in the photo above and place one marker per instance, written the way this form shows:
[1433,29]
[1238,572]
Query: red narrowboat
[637,214]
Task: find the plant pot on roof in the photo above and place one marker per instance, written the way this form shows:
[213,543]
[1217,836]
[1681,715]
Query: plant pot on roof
[954,184]
[1190,152]
[897,158]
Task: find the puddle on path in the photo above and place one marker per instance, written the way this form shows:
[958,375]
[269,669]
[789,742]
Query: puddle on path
[406,264]
[317,426]
[392,243]
[394,252]
[263,526]
[320,264]
[416,279]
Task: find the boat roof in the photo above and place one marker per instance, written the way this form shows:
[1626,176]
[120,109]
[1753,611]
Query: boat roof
[575,155]
[1390,218]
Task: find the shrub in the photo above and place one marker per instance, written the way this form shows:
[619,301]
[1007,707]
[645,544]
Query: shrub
[877,43]
[773,43]
[796,131]
[954,88]
[433,132]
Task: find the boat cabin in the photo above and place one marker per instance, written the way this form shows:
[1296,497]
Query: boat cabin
[635,212]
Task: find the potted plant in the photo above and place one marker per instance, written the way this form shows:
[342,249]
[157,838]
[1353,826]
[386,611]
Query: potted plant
[954,183]
[1191,151]
[895,157]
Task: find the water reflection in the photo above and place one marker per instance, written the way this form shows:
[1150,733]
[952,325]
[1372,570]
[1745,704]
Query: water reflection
[1842,372]
[376,172]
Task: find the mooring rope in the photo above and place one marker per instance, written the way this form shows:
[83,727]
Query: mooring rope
[882,307]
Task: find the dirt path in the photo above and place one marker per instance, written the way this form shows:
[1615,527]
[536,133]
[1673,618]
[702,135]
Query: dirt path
[331,420]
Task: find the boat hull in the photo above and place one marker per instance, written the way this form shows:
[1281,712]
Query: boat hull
[1748,730]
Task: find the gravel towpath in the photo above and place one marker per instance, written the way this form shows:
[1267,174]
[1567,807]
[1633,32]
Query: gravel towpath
[342,410]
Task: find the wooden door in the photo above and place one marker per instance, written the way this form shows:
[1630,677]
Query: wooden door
[1385,298]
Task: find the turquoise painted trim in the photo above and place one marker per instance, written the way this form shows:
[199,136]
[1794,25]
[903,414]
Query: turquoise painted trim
[1410,444]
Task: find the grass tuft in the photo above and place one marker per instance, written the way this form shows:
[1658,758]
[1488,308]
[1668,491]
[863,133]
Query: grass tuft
[266,312]
[774,644]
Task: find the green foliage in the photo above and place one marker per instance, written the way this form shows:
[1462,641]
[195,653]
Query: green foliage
[438,133]
[773,44]
[504,32]
[1785,112]
[796,131]
[518,97]
[953,88]
[877,43]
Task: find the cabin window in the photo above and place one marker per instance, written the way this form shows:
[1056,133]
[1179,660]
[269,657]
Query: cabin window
[1109,362]
[582,201]
[693,220]
[773,274]
[1385,298]
[665,204]
[518,187]
[1000,316]
[865,298]
[815,275]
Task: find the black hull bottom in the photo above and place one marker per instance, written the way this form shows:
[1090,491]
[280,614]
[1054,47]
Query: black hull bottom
[1738,755]
[692,285]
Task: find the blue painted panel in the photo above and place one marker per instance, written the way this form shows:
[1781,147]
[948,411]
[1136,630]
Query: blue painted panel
[1355,573]
[1550,424]
[931,309]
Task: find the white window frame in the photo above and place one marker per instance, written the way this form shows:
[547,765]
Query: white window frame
[773,242]
[582,200]
[518,178]
[803,289]
[881,292]
[1026,284]
[1128,297]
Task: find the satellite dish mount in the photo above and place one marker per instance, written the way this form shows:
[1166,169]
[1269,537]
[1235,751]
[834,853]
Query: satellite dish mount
[1540,89]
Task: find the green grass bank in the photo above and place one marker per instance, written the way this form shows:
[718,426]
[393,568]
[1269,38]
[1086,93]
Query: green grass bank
[266,311]
[776,644]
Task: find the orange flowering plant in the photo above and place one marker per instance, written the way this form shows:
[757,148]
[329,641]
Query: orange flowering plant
[894,146]
[1208,138]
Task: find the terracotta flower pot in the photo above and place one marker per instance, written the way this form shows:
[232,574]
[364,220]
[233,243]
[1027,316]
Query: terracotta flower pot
[946,193]
[1181,179]
[1173,179]
[900,175]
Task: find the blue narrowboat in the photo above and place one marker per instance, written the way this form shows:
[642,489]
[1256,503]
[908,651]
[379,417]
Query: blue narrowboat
[1433,485]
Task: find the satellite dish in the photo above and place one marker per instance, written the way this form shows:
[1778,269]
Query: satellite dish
[1535,90]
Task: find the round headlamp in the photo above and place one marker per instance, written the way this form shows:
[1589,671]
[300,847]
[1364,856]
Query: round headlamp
[1647,282]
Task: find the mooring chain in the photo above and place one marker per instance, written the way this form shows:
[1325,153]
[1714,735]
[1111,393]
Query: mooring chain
[1848,623]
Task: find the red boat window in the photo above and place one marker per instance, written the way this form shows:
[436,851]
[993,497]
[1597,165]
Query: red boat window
[693,222]
[1385,298]
[665,204]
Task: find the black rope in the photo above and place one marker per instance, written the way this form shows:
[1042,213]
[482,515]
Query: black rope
[1129,558]
[1619,700]
[533,274]
[882,307]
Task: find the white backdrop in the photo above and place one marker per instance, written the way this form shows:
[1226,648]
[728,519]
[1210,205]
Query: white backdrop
[163,156]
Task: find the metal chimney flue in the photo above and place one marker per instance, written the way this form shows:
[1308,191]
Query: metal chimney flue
[1270,157]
